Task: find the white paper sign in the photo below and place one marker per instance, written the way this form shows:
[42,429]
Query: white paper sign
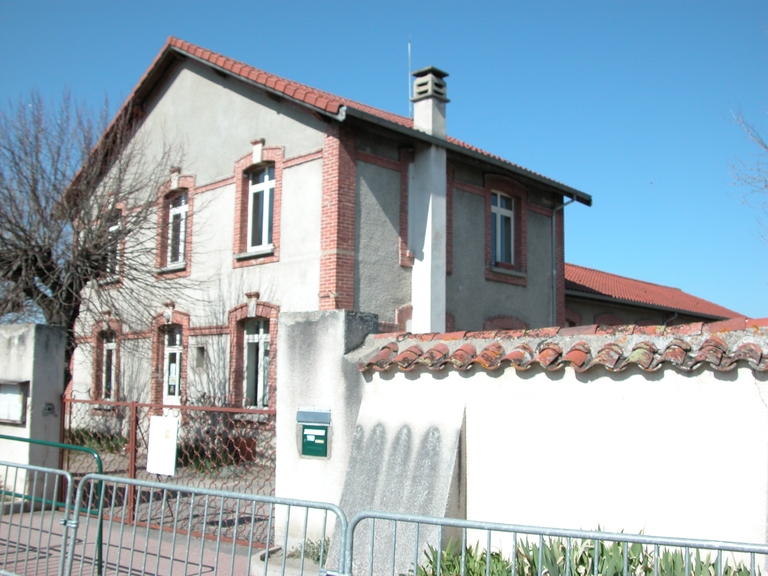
[161,452]
[12,403]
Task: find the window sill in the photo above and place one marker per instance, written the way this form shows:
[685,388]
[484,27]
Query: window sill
[265,250]
[176,267]
[507,271]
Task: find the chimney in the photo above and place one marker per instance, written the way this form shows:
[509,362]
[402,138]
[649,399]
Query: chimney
[427,222]
[429,100]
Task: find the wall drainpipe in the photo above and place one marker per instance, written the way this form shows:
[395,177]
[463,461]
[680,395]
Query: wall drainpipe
[671,318]
[554,258]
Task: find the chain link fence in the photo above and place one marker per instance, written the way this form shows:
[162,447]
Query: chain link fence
[218,448]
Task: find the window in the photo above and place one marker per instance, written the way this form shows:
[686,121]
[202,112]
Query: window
[256,369]
[177,229]
[502,229]
[109,364]
[172,368]
[261,192]
[112,270]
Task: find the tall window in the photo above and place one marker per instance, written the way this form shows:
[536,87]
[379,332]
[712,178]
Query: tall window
[172,369]
[256,369]
[261,192]
[108,367]
[502,229]
[113,255]
[177,229]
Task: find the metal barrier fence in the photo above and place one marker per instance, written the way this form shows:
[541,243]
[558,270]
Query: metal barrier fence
[178,528]
[381,543]
[32,539]
[170,528]
[219,448]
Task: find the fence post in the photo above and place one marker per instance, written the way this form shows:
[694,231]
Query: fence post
[133,448]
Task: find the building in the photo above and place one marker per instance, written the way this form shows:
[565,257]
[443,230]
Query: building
[595,297]
[291,200]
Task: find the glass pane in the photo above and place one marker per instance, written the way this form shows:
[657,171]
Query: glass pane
[256,218]
[494,225]
[506,240]
[251,373]
[268,223]
[505,202]
[173,373]
[179,201]
[175,251]
[494,199]
[173,337]
[108,368]
[271,173]
[265,375]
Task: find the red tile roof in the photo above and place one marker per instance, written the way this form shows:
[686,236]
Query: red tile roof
[595,282]
[719,346]
[318,99]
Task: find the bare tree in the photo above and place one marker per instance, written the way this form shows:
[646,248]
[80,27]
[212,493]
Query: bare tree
[753,175]
[78,206]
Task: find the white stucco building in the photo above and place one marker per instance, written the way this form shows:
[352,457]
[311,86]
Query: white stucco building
[294,200]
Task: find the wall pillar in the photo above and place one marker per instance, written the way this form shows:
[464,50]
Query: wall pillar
[427,238]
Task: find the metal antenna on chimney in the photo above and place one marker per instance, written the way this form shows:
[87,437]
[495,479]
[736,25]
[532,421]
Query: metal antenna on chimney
[410,84]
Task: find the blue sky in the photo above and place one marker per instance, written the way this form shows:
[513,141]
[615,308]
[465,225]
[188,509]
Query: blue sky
[628,101]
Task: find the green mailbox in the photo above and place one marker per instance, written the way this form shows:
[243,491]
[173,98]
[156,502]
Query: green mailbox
[314,440]
[314,429]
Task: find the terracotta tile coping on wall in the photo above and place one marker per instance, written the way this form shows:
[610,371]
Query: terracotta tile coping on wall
[716,345]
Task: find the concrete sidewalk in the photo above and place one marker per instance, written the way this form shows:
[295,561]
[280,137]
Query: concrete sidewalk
[31,544]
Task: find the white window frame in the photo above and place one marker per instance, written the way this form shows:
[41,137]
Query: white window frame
[498,215]
[172,339]
[180,245]
[108,366]
[266,191]
[256,363]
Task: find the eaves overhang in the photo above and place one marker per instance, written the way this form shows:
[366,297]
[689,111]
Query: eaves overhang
[563,189]
[328,106]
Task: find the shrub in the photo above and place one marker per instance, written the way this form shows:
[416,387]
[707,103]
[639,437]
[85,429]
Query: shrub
[100,441]
[312,550]
[554,555]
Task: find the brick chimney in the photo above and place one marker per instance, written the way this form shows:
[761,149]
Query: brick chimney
[429,100]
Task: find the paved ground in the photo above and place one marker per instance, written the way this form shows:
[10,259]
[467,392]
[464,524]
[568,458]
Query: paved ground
[32,544]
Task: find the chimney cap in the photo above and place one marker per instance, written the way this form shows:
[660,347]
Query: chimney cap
[429,70]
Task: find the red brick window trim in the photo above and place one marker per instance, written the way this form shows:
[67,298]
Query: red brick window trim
[572,318]
[515,195]
[240,319]
[105,381]
[271,165]
[173,257]
[163,324]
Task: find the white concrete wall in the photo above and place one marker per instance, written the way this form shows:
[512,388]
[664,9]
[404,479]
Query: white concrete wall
[312,373]
[665,453]
[35,354]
